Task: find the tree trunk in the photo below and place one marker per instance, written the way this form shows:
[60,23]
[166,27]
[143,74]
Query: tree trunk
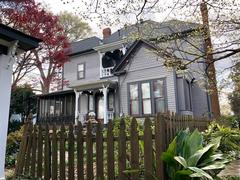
[45,85]
[210,62]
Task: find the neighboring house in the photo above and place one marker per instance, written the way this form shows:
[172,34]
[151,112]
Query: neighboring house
[119,75]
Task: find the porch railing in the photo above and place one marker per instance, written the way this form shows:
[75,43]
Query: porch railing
[67,119]
[106,72]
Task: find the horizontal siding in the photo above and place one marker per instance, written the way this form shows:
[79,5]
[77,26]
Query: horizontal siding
[145,65]
[92,65]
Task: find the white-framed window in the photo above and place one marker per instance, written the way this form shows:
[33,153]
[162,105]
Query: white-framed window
[147,97]
[81,71]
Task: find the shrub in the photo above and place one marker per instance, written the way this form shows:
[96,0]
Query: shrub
[14,126]
[230,138]
[13,143]
[230,121]
[186,157]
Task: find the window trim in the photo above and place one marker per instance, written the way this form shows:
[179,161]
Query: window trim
[84,70]
[153,109]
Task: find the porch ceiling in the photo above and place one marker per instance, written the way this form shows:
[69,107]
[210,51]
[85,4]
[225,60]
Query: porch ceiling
[91,85]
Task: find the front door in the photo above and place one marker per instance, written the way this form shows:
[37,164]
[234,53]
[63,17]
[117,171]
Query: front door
[100,107]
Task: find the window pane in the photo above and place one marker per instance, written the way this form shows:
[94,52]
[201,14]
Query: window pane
[145,90]
[80,67]
[80,74]
[90,102]
[147,106]
[134,91]
[159,104]
[158,88]
[187,96]
[134,107]
[110,101]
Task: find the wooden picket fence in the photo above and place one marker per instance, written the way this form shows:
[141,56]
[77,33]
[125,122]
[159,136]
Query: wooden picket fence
[94,152]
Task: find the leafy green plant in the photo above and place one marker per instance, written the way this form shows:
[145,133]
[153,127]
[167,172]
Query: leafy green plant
[13,143]
[186,157]
[230,138]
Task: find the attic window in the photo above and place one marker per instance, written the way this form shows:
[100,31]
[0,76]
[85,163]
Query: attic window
[111,59]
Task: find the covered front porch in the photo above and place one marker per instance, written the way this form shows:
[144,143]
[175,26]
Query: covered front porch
[95,100]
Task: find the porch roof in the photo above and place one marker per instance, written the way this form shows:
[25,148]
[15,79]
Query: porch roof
[91,85]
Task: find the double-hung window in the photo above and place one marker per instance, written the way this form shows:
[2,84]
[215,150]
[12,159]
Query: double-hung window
[158,93]
[81,71]
[147,97]
[134,99]
[187,91]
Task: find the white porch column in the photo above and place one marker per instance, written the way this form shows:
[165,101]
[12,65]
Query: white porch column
[105,102]
[6,65]
[77,94]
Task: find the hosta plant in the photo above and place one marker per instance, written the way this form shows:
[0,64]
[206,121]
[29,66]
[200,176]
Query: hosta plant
[187,158]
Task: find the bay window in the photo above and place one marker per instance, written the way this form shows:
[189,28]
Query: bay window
[147,97]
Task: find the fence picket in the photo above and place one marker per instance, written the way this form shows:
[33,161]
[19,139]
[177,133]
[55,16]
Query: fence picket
[80,170]
[47,157]
[134,149]
[28,150]
[148,159]
[89,149]
[122,151]
[54,154]
[21,154]
[62,153]
[70,153]
[110,151]
[34,148]
[39,153]
[99,151]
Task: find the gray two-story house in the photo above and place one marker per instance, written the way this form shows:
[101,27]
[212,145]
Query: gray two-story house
[125,73]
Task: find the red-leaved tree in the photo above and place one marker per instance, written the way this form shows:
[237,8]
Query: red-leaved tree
[31,18]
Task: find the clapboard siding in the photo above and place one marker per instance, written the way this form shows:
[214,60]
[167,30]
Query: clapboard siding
[146,65]
[92,67]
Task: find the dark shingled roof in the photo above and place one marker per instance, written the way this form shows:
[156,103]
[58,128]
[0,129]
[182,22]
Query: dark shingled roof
[84,45]
[149,29]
